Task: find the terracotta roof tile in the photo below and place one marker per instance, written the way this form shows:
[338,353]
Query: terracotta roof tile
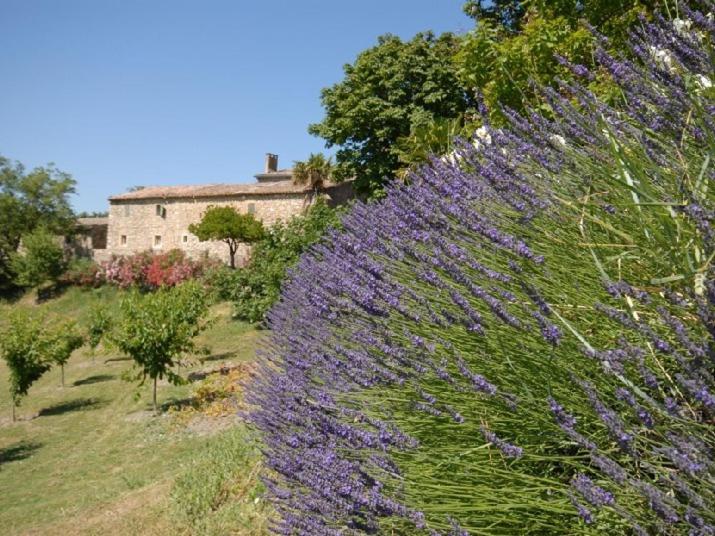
[211,190]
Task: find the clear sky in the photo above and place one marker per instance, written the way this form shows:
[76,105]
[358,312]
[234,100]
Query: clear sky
[121,93]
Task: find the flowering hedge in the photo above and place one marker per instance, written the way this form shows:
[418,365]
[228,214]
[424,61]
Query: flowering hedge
[151,270]
[521,339]
[144,270]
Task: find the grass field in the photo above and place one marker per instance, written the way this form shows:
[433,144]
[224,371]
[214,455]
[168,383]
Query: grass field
[90,458]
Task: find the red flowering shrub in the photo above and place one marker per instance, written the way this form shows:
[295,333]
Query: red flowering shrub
[150,271]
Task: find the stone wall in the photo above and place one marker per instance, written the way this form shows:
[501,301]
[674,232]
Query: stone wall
[162,225]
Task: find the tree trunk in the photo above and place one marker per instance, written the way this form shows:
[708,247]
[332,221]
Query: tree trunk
[13,411]
[62,374]
[156,411]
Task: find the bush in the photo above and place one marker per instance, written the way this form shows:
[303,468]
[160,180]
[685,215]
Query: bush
[41,259]
[148,271]
[255,288]
[83,273]
[521,340]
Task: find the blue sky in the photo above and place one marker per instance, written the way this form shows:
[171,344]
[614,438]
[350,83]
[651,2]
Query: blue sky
[141,92]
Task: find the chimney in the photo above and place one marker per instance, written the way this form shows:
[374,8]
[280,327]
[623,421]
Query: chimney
[271,162]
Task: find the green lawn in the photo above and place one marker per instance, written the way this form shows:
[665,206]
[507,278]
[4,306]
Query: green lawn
[90,458]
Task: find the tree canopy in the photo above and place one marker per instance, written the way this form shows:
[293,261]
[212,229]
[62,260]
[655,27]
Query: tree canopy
[41,259]
[156,329]
[230,226]
[389,88]
[28,200]
[313,172]
[403,100]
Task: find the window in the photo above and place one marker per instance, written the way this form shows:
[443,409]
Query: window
[157,241]
[123,240]
[251,208]
[185,239]
[161,211]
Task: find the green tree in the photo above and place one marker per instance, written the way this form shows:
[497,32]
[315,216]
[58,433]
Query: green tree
[24,347]
[156,329]
[229,226]
[389,88]
[256,287]
[40,259]
[62,340]
[28,200]
[514,45]
[100,323]
[314,172]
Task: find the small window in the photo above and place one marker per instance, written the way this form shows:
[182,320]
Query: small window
[157,241]
[185,239]
[127,210]
[123,240]
[161,211]
[251,208]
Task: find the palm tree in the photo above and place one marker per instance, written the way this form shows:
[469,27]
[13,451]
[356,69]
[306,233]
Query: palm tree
[313,172]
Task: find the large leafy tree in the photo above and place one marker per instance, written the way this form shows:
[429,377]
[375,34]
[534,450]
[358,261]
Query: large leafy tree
[230,226]
[388,88]
[27,200]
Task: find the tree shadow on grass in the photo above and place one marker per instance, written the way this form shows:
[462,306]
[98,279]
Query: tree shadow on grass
[111,359]
[18,451]
[78,404]
[176,404]
[217,357]
[97,378]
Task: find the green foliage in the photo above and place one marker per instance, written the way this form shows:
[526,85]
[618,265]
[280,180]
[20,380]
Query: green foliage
[401,100]
[256,287]
[62,339]
[313,172]
[100,323]
[390,87]
[230,226]
[156,329]
[40,259]
[24,347]
[220,491]
[28,200]
[502,64]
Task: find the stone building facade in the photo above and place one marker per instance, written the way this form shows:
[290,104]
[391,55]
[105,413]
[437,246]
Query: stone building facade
[158,218]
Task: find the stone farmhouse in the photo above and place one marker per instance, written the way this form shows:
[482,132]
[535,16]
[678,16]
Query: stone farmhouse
[157,218]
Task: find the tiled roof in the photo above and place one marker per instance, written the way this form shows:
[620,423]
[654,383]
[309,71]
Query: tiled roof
[87,222]
[213,190]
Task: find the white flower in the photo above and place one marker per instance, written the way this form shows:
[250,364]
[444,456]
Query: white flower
[557,139]
[682,26]
[482,134]
[663,57]
[703,82]
[451,158]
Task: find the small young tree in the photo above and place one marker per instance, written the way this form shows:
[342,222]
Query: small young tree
[230,226]
[99,325]
[62,340]
[24,348]
[156,329]
[41,259]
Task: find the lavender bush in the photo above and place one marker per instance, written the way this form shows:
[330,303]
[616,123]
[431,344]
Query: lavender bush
[521,339]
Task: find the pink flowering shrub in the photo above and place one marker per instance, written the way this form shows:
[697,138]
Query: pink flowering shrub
[150,271]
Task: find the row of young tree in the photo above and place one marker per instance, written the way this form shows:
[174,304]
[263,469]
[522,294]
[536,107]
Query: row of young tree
[401,101]
[156,330]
